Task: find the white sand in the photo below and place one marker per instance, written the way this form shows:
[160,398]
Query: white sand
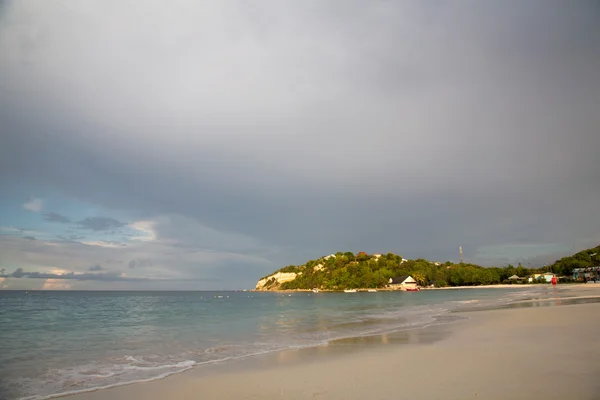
[526,353]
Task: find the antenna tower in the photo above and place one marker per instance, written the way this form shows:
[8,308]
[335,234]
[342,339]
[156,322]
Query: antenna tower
[461,258]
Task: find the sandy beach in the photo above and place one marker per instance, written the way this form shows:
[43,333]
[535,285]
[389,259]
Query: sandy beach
[544,349]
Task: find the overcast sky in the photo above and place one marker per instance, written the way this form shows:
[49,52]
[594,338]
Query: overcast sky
[201,145]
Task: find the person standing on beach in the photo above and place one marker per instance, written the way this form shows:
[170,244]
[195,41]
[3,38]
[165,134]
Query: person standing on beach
[554,280]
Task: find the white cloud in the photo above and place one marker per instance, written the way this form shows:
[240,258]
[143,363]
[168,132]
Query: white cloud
[9,229]
[34,205]
[58,271]
[146,227]
[19,231]
[55,284]
[101,243]
[50,243]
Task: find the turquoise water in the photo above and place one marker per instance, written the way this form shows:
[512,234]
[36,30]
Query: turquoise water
[56,342]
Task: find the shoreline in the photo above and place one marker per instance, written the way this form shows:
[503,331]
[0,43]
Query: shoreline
[519,285]
[366,290]
[495,286]
[281,367]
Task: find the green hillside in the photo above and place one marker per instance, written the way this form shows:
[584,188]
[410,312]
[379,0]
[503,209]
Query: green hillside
[583,259]
[348,270]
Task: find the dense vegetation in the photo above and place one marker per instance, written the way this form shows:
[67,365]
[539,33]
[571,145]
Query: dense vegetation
[347,270]
[583,259]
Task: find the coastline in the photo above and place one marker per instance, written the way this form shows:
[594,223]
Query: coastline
[360,290]
[495,286]
[519,285]
[533,341]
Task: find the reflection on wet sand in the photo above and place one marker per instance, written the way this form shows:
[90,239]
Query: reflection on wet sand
[348,346]
[548,298]
[427,335]
[545,302]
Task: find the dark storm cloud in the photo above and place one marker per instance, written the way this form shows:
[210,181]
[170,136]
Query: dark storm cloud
[412,127]
[19,273]
[70,237]
[105,276]
[55,217]
[100,223]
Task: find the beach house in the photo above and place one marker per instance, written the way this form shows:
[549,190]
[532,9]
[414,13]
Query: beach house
[545,277]
[587,274]
[403,282]
[534,277]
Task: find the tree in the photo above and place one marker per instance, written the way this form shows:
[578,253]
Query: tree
[419,277]
[341,261]
[362,256]
[583,256]
[521,271]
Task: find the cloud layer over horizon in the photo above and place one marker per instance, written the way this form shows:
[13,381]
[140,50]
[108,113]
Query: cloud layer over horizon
[216,142]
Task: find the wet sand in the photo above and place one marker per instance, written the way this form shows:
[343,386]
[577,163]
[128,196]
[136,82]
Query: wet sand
[543,349]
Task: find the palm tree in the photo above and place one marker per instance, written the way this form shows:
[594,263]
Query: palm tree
[419,277]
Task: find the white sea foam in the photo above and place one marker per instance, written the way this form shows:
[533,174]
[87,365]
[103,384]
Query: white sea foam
[181,367]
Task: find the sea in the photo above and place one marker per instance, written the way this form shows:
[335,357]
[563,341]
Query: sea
[54,343]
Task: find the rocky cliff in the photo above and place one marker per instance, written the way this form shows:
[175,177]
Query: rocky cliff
[274,281]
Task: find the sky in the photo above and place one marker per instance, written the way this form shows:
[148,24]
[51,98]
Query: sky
[184,145]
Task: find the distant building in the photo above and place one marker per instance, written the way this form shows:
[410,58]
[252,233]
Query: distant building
[403,282]
[514,278]
[534,277]
[587,274]
[547,277]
